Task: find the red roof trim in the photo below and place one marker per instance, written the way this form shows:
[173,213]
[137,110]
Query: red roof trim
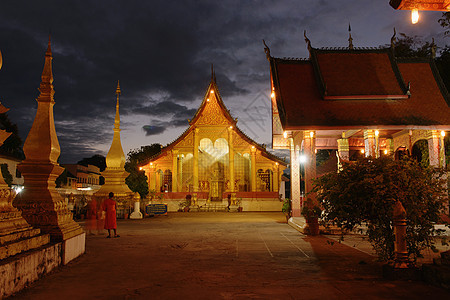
[367,97]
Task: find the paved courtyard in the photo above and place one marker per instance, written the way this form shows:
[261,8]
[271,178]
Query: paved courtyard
[220,256]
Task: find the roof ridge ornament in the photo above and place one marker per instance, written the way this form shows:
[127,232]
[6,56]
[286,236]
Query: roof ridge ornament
[393,40]
[213,74]
[350,39]
[433,49]
[308,43]
[266,50]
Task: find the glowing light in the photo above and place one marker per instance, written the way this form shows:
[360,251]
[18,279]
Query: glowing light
[311,134]
[302,158]
[414,16]
[315,150]
[151,164]
[212,92]
[253,147]
[207,100]
[272,95]
[443,133]
[362,150]
[231,127]
[377,133]
[276,164]
[285,134]
[18,189]
[385,151]
[140,168]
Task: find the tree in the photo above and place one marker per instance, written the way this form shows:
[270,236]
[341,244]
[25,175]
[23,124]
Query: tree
[365,192]
[445,22]
[137,181]
[12,146]
[6,175]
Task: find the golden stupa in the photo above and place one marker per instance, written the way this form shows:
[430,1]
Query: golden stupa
[115,173]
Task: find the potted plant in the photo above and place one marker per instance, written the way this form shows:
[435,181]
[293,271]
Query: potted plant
[286,208]
[312,213]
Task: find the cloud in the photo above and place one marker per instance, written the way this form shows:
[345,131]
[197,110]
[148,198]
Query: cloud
[161,51]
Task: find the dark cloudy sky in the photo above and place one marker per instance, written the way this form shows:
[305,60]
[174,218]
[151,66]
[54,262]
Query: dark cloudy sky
[162,51]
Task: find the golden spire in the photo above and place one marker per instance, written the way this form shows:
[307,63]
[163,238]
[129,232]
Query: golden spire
[117,119]
[46,86]
[350,39]
[1,60]
[116,158]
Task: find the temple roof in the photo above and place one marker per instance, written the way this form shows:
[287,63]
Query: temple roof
[211,104]
[359,87]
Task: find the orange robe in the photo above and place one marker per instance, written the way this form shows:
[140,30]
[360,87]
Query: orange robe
[110,206]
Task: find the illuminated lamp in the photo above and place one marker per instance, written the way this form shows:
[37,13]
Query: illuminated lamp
[377,133]
[140,168]
[443,133]
[212,92]
[276,164]
[414,16]
[302,159]
[231,127]
[385,151]
[285,134]
[311,134]
[362,150]
[272,95]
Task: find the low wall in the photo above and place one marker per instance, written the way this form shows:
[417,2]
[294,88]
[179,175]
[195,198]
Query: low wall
[21,270]
[250,201]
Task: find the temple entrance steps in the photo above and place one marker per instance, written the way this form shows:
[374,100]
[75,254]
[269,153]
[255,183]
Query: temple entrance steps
[213,207]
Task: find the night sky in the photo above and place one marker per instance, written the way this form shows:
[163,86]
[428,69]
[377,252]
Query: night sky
[162,51]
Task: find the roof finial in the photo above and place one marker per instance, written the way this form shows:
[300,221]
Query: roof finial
[118,88]
[117,118]
[433,49]
[350,39]
[49,47]
[213,74]
[393,40]
[308,43]
[267,50]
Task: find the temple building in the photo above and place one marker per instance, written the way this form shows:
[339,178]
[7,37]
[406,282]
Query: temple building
[356,101]
[212,159]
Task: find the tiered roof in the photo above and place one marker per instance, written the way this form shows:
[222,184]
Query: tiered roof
[350,88]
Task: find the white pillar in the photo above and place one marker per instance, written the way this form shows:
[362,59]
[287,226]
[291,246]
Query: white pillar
[295,143]
[136,214]
[369,143]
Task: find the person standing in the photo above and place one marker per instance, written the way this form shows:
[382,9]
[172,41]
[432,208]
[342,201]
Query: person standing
[110,207]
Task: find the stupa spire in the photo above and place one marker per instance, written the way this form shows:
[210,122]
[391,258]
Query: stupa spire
[115,173]
[350,39]
[117,119]
[46,87]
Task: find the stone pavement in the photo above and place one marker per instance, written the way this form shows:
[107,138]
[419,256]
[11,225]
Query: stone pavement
[221,256]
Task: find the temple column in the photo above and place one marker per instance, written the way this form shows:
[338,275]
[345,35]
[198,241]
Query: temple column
[275,176]
[174,170]
[231,162]
[309,150]
[295,144]
[195,164]
[433,147]
[343,151]
[180,173]
[390,147]
[253,168]
[369,143]
[441,149]
[157,181]
[152,177]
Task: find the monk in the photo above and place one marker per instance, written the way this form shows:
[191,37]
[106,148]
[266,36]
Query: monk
[110,206]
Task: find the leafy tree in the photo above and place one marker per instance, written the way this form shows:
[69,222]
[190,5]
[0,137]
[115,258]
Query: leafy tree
[365,192]
[445,22]
[6,175]
[12,146]
[137,181]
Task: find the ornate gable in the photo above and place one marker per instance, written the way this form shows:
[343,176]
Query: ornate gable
[212,111]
